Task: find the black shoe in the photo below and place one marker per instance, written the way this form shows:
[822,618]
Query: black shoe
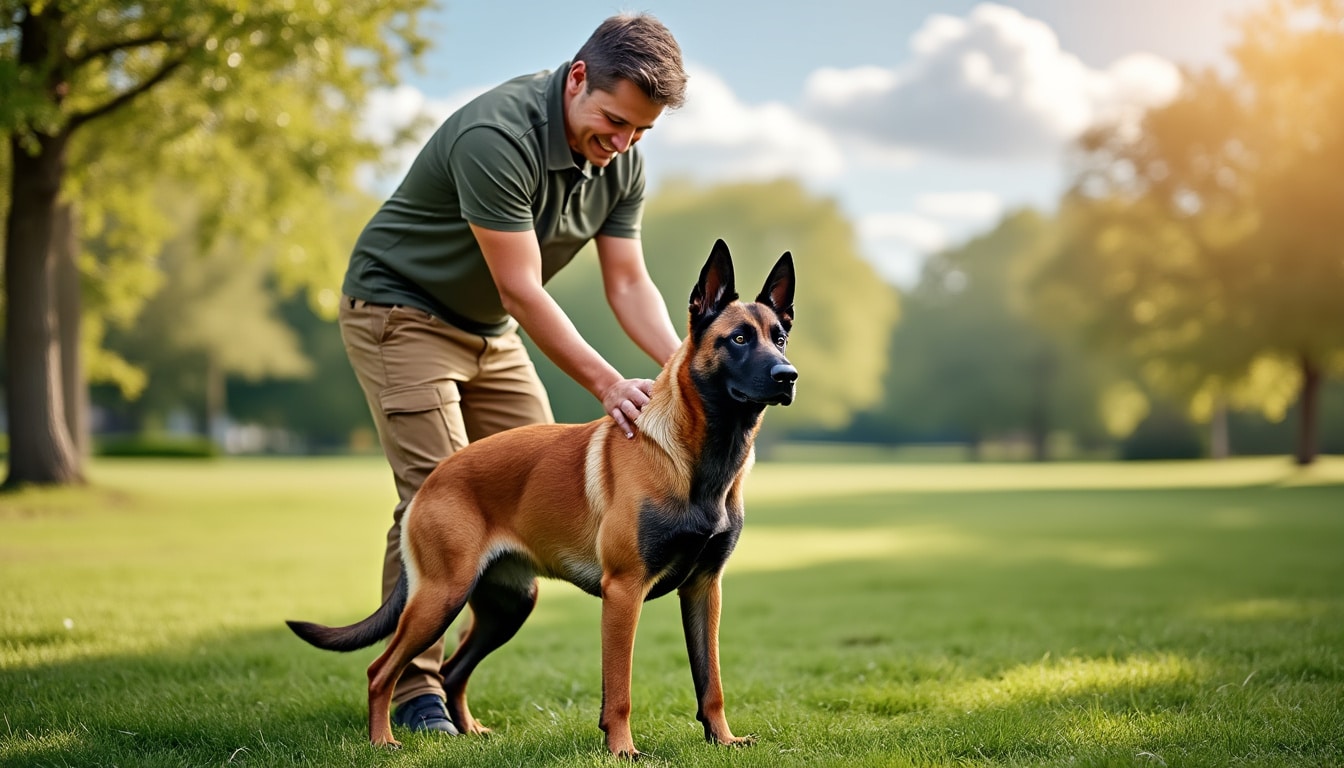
[424,713]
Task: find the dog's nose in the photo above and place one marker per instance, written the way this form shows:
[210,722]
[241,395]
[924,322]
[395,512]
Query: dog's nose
[784,373]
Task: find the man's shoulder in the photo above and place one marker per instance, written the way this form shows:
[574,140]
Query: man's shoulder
[515,108]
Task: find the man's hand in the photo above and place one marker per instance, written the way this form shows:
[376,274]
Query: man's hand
[624,400]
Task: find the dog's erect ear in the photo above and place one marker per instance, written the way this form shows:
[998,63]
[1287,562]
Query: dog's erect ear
[715,289]
[778,291]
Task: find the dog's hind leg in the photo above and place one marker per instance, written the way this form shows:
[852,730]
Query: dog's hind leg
[429,610]
[502,600]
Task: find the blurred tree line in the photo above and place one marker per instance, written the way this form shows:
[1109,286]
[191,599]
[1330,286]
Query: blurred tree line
[1186,298]
[112,108]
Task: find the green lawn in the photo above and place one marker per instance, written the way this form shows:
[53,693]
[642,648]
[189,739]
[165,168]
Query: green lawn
[1072,615]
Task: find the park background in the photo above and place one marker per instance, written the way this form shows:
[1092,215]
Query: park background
[1012,242]
[1060,487]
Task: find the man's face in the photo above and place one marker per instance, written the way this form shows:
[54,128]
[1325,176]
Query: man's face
[602,124]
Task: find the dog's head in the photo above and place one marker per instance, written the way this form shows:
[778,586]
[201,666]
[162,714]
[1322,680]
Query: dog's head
[739,346]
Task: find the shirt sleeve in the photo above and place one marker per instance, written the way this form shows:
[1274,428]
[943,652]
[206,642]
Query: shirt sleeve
[495,179]
[624,219]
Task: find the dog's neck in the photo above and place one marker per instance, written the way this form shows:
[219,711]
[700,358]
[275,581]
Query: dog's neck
[709,439]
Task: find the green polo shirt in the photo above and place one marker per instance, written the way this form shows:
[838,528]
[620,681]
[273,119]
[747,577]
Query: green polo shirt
[501,162]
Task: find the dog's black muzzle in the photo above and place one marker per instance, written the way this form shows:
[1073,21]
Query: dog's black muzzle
[778,389]
[783,375]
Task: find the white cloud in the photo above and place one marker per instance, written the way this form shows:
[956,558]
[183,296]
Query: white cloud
[717,136]
[976,205]
[388,112]
[993,84]
[918,232]
[897,243]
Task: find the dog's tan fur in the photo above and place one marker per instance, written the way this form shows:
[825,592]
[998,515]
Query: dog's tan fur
[624,519]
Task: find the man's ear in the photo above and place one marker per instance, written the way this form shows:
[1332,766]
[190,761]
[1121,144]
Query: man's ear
[778,291]
[577,80]
[715,289]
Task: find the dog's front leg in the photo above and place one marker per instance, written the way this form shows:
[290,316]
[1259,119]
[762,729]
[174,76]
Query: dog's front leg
[622,599]
[700,603]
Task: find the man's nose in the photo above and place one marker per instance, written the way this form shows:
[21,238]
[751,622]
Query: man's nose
[622,141]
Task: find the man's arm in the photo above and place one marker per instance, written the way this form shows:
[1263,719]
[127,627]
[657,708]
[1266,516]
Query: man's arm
[638,305]
[514,259]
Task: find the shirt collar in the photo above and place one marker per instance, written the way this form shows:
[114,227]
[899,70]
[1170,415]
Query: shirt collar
[561,157]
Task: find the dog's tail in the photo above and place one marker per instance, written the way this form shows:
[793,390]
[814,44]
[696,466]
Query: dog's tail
[362,634]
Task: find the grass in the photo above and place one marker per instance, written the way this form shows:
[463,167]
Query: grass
[1176,614]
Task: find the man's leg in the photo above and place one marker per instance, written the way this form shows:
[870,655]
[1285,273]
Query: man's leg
[410,366]
[506,391]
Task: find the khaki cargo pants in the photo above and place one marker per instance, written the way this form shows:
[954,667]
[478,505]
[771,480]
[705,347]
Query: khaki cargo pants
[431,388]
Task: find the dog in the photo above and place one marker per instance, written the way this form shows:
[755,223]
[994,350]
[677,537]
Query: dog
[623,519]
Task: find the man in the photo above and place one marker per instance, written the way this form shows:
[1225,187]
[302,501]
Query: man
[503,195]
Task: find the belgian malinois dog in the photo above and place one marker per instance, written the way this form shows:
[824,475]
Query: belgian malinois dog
[625,520]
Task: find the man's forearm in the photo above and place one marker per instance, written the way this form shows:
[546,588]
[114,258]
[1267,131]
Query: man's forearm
[640,310]
[555,335]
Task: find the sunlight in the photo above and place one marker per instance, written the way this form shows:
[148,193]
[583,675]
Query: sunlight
[1088,554]
[1236,518]
[1266,609]
[788,481]
[780,549]
[789,548]
[1071,677]
[21,749]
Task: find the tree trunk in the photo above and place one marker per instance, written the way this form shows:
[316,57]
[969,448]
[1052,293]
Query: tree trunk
[1220,446]
[40,449]
[216,400]
[1309,402]
[1041,402]
[69,317]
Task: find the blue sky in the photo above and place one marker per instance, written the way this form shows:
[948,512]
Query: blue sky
[925,120]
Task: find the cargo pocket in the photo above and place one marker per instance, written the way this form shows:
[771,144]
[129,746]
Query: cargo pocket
[425,422]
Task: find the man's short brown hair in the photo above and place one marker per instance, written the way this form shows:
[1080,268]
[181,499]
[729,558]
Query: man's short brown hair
[636,47]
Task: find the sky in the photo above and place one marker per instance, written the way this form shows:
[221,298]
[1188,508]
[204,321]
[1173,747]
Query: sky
[924,120]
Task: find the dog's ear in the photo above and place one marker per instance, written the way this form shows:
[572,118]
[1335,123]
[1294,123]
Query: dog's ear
[778,291]
[715,289]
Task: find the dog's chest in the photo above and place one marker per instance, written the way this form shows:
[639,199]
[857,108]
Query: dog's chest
[677,539]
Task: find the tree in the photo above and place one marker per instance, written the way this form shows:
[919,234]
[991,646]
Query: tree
[1205,245]
[968,362]
[271,87]
[845,312]
[214,318]
[1293,96]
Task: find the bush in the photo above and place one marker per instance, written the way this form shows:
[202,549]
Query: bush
[1165,434]
[156,446]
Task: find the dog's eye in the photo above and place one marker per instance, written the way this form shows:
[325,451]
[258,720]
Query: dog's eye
[780,341]
[739,339]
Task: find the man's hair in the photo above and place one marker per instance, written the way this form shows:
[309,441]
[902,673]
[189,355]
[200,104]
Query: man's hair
[636,47]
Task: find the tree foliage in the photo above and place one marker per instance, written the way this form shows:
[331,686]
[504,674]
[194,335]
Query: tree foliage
[252,106]
[214,317]
[1205,245]
[968,364]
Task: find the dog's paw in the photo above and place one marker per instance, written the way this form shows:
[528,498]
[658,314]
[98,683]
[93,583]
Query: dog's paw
[626,753]
[390,744]
[475,728]
[737,741]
